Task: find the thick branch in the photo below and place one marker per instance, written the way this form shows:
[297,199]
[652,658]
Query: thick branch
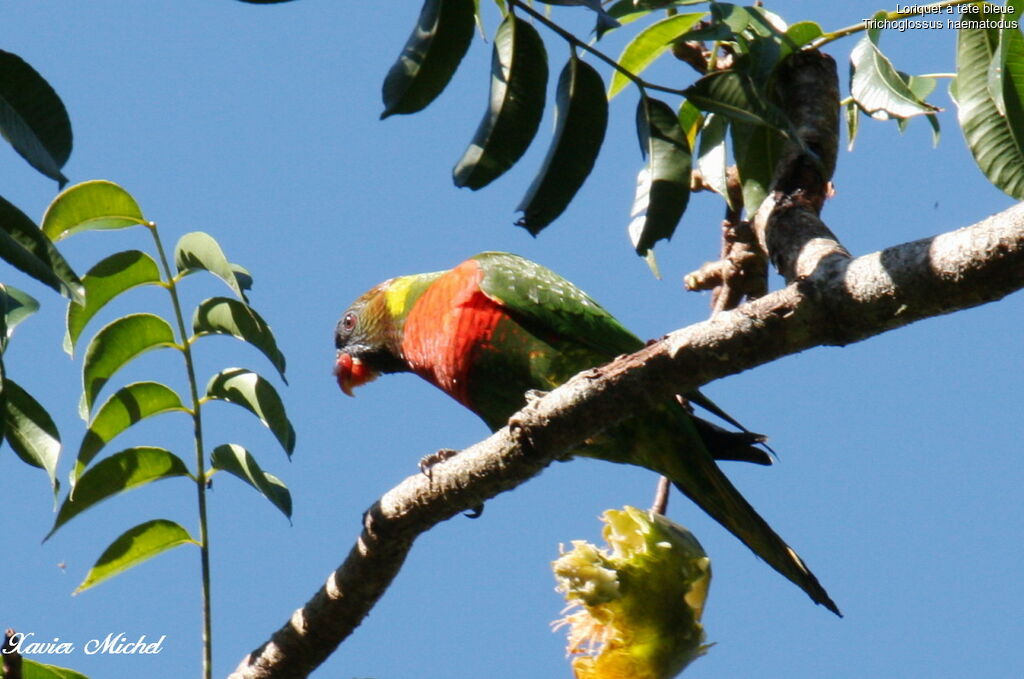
[834,301]
[807,90]
[786,223]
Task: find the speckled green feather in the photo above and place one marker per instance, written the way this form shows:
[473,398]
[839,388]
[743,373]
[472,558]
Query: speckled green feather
[539,296]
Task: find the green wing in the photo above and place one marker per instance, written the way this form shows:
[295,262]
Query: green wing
[542,298]
[538,296]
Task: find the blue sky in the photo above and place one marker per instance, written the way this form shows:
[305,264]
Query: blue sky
[900,464]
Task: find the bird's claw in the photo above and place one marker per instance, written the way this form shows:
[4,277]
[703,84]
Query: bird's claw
[427,462]
[534,395]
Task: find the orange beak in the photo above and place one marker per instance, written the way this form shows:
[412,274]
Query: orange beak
[351,373]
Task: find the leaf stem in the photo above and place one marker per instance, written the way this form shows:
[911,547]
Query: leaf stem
[200,475]
[573,40]
[889,16]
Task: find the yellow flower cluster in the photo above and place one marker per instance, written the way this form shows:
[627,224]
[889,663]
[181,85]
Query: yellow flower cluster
[636,607]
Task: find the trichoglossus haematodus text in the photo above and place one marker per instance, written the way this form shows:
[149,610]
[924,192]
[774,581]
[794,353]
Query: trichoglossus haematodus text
[499,325]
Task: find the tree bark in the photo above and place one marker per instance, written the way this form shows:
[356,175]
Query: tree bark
[833,299]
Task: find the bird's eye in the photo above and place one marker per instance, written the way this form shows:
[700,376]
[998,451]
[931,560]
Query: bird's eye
[348,323]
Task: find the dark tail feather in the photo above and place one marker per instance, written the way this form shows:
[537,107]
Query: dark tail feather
[670,442]
[731,445]
[710,406]
[714,493]
[696,474]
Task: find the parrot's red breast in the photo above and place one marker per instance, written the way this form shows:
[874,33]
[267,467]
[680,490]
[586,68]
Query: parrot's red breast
[447,327]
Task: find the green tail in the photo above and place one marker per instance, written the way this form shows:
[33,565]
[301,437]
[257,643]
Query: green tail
[673,444]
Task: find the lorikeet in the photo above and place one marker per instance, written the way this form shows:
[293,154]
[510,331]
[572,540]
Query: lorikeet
[497,326]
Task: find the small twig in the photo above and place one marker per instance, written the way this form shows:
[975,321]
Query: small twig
[741,272]
[694,53]
[576,42]
[889,16]
[660,505]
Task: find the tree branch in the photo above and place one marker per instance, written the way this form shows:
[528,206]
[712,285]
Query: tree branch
[807,90]
[833,300]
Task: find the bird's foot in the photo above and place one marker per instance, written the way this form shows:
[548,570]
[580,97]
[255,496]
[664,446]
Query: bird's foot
[427,464]
[428,461]
[534,395]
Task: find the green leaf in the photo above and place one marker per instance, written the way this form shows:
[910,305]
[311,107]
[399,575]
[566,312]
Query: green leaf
[648,45]
[30,669]
[3,405]
[799,34]
[1002,58]
[243,279]
[134,546]
[92,205]
[995,73]
[238,461]
[756,149]
[734,95]
[995,140]
[6,303]
[124,408]
[28,249]
[199,251]
[876,85]
[663,186]
[258,396]
[764,41]
[33,118]
[430,56]
[690,119]
[225,316]
[921,86]
[121,471]
[626,12]
[582,116]
[852,116]
[519,75]
[711,154]
[117,273]
[758,128]
[31,431]
[736,17]
[15,306]
[116,344]
[748,23]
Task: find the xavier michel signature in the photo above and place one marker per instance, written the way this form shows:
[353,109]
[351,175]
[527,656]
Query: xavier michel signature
[24,643]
